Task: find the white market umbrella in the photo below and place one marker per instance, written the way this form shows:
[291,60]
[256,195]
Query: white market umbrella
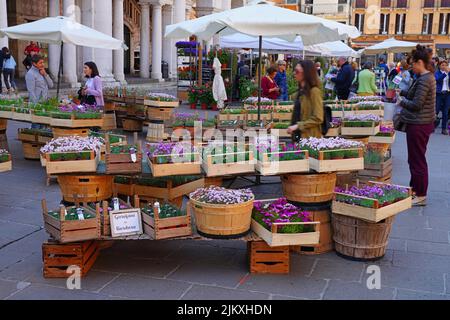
[263,19]
[334,49]
[60,30]
[390,45]
[218,89]
[240,40]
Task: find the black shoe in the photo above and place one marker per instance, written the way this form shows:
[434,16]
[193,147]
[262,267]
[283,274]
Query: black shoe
[445,132]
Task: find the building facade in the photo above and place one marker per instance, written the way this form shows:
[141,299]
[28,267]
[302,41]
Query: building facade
[422,21]
[337,10]
[139,23]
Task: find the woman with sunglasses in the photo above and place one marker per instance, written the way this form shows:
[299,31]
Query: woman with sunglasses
[418,113]
[308,111]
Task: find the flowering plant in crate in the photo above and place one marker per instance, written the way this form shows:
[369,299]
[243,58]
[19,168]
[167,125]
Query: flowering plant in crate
[252,103]
[162,97]
[332,148]
[167,210]
[281,223]
[219,195]
[232,111]
[386,131]
[4,155]
[5,161]
[361,120]
[358,99]
[376,155]
[370,105]
[373,202]
[72,148]
[84,111]
[226,152]
[74,213]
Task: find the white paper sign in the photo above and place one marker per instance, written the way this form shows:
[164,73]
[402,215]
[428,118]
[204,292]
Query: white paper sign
[126,222]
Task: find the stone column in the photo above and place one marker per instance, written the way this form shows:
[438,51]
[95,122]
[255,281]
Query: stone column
[156,41]
[179,15]
[145,41]
[168,44]
[87,19]
[3,22]
[118,33]
[103,22]
[70,52]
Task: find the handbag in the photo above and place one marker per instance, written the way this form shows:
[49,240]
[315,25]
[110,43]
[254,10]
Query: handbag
[399,124]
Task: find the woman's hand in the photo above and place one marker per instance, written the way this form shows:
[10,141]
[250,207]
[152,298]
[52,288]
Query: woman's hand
[292,129]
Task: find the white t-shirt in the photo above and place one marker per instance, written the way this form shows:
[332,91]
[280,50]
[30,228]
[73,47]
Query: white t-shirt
[445,86]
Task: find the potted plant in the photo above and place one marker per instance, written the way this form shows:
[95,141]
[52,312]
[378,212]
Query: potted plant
[225,158]
[361,125]
[161,100]
[222,213]
[280,223]
[5,161]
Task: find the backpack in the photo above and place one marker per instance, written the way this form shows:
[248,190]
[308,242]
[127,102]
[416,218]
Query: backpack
[327,119]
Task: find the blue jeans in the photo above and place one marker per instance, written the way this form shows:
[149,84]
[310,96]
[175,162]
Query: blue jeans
[443,105]
[8,77]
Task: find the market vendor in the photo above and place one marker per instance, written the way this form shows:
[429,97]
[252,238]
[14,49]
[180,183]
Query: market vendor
[281,80]
[38,81]
[269,87]
[308,114]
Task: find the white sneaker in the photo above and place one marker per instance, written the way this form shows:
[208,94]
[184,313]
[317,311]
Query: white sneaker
[419,201]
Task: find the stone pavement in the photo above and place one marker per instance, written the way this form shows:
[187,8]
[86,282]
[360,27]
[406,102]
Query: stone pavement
[416,266]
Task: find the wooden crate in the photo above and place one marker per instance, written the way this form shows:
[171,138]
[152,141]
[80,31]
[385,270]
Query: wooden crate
[320,165]
[377,170]
[263,116]
[109,106]
[109,121]
[223,169]
[177,168]
[360,131]
[55,167]
[227,116]
[170,192]
[121,163]
[383,140]
[41,119]
[161,104]
[282,133]
[334,132]
[132,124]
[275,239]
[6,114]
[66,132]
[123,189]
[264,259]
[375,214]
[43,139]
[348,112]
[365,180]
[6,166]
[31,150]
[269,168]
[76,123]
[26,137]
[71,230]
[156,132]
[282,116]
[17,116]
[57,257]
[167,228]
[161,114]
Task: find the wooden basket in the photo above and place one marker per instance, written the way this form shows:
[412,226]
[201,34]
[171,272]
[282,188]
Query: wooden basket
[266,260]
[356,239]
[57,258]
[71,231]
[222,221]
[85,188]
[75,166]
[321,214]
[167,228]
[31,151]
[320,165]
[66,132]
[3,124]
[375,214]
[267,167]
[309,188]
[155,132]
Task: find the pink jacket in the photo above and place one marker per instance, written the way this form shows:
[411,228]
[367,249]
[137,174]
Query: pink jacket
[97,91]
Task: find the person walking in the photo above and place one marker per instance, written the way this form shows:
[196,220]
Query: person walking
[38,81]
[443,93]
[269,87]
[344,79]
[367,85]
[392,71]
[418,113]
[281,80]
[406,76]
[308,115]
[2,58]
[9,70]
[92,92]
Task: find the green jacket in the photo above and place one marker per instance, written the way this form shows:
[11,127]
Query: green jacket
[311,118]
[366,81]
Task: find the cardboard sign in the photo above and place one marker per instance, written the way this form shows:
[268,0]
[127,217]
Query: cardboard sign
[125,222]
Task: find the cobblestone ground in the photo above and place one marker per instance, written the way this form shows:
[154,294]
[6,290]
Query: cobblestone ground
[416,266]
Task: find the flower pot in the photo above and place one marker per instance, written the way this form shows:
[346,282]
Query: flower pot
[204,106]
[391,94]
[224,65]
[194,106]
[214,107]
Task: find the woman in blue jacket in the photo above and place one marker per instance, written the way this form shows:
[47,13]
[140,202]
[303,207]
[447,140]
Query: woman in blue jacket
[9,69]
[443,93]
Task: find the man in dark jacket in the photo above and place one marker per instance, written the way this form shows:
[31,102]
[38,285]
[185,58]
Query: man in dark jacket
[344,79]
[2,58]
